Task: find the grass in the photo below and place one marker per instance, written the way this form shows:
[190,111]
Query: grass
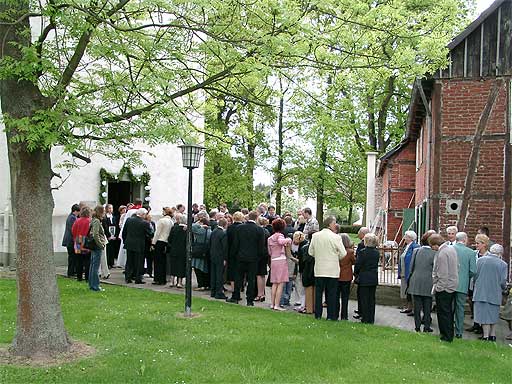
[140,339]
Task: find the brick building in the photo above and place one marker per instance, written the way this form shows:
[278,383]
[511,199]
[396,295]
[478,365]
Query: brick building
[459,123]
[398,174]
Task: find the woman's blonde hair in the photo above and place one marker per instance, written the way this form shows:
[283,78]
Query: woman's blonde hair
[481,238]
[370,240]
[298,236]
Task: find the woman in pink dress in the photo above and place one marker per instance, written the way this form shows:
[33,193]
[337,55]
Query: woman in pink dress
[278,262]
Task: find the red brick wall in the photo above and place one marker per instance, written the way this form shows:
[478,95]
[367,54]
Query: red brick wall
[462,104]
[398,182]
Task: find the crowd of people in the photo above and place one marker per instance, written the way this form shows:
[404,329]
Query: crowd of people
[451,273]
[307,268]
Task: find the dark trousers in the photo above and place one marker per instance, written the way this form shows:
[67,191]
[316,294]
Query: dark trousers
[217,278]
[160,262]
[71,260]
[422,304]
[367,308]
[358,298]
[249,269]
[445,301]
[110,250]
[342,294]
[83,263]
[134,268]
[329,286]
[148,257]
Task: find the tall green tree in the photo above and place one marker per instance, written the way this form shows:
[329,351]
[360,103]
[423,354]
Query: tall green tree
[100,74]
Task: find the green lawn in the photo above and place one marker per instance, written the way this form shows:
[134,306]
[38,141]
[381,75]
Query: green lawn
[140,339]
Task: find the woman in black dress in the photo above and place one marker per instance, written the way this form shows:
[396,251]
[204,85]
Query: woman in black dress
[366,269]
[177,250]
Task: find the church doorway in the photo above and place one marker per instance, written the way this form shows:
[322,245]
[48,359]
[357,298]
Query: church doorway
[122,193]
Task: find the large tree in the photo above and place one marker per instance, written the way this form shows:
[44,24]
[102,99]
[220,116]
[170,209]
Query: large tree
[90,76]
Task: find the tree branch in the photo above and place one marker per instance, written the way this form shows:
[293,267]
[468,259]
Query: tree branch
[81,157]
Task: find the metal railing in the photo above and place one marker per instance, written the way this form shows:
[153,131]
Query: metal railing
[388,265]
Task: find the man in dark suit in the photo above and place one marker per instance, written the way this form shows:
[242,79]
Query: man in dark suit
[136,231]
[68,241]
[218,258]
[248,248]
[108,223]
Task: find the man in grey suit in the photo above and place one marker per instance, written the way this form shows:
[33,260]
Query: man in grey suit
[467,268]
[68,241]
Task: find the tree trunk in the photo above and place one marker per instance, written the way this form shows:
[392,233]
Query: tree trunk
[280,160]
[40,326]
[320,187]
[251,152]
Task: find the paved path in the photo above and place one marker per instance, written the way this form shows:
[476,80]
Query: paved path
[384,315]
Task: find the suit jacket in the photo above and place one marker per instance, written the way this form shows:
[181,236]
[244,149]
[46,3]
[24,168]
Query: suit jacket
[108,222]
[249,242]
[445,274]
[403,270]
[136,232]
[366,267]
[490,279]
[230,232]
[327,249]
[420,277]
[467,266]
[218,245]
[67,239]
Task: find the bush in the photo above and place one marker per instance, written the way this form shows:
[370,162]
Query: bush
[349,228]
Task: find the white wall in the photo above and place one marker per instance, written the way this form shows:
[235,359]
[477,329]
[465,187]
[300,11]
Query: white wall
[168,182]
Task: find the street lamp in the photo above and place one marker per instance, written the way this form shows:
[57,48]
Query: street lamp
[191,155]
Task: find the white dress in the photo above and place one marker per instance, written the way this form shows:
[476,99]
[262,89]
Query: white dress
[121,257]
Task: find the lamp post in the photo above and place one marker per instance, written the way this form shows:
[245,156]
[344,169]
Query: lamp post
[191,155]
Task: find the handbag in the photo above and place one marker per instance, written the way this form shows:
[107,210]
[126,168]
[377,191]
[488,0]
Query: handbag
[89,241]
[200,249]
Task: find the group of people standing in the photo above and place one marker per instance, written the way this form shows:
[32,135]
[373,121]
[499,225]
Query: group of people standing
[450,272]
[316,266]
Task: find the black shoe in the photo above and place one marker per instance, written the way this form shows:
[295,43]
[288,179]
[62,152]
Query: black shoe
[479,331]
[231,300]
[492,338]
[128,281]
[356,317]
[428,330]
[410,314]
[356,311]
[406,311]
[223,297]
[140,282]
[484,338]
[250,304]
[417,329]
[473,328]
[155,283]
[444,339]
[458,336]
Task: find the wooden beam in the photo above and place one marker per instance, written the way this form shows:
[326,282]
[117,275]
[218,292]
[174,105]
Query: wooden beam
[465,57]
[498,32]
[482,49]
[436,156]
[423,97]
[475,153]
[507,165]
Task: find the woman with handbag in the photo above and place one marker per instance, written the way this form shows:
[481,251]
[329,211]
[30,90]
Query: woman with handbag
[278,262]
[98,243]
[80,230]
